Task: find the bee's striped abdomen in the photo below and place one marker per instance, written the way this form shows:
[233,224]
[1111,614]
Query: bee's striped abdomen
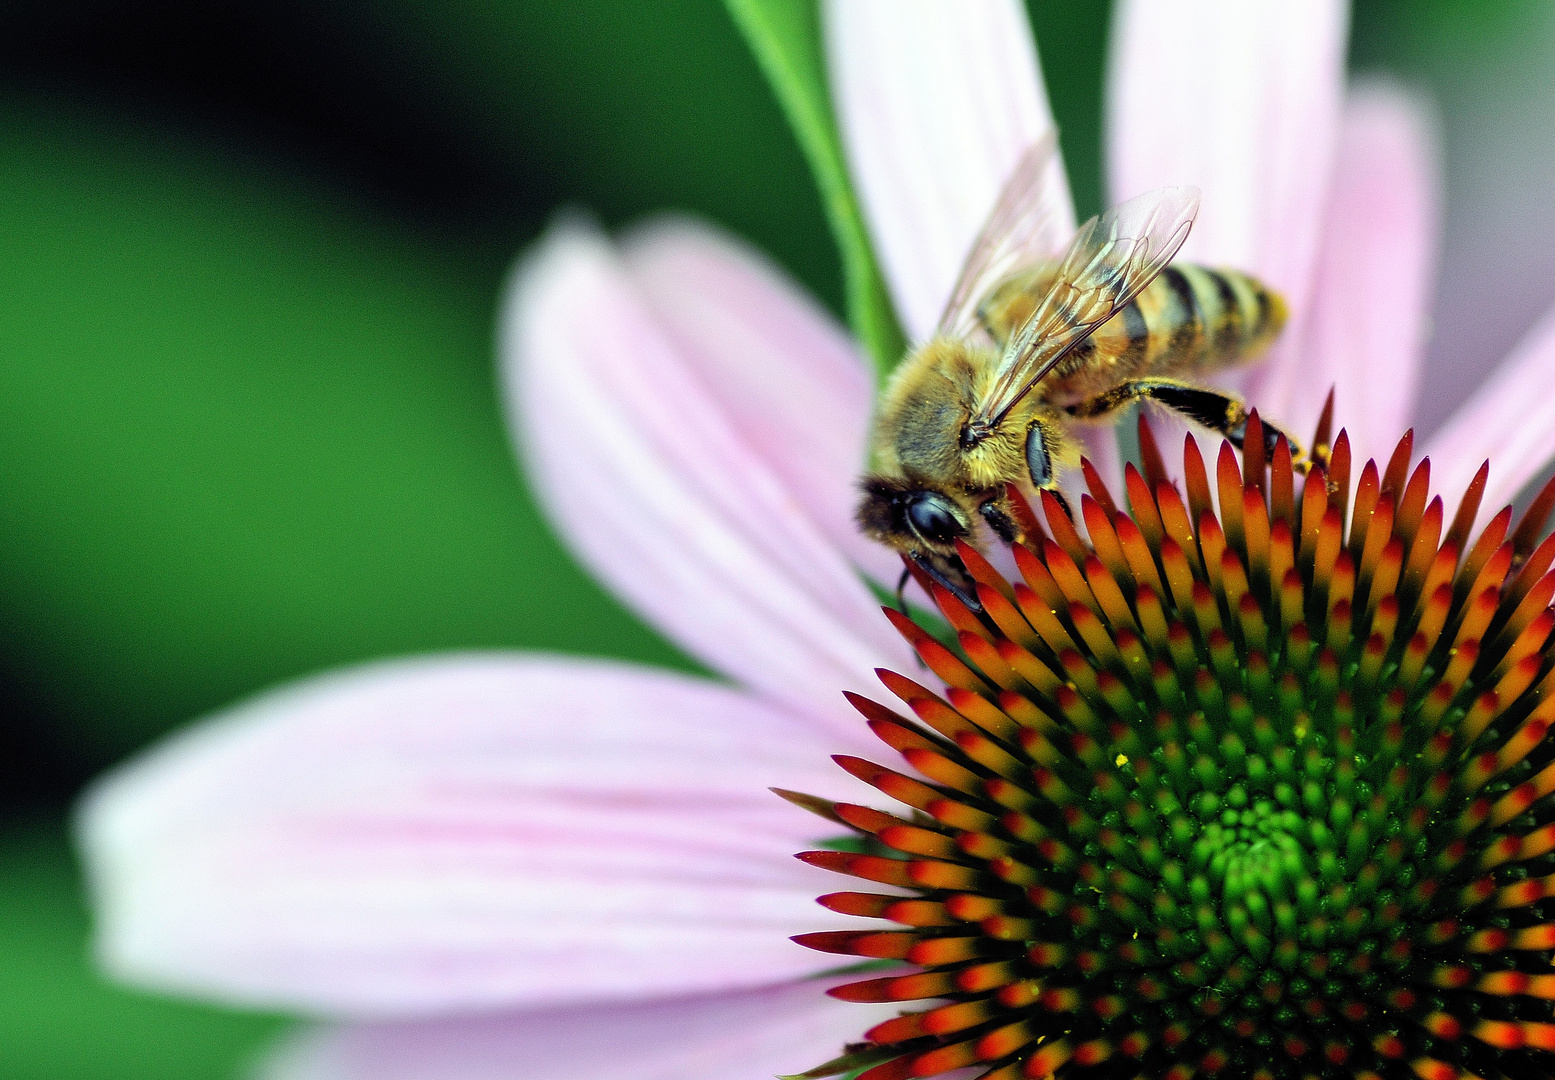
[1188,319]
[1200,319]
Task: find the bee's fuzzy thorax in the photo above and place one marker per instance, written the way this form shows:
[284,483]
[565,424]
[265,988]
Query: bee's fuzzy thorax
[921,423]
[925,406]
[1261,793]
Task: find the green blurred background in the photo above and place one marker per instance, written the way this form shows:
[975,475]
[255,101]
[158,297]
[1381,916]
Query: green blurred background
[249,255]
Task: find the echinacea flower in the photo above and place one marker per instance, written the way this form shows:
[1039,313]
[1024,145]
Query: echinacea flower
[1257,793]
[516,866]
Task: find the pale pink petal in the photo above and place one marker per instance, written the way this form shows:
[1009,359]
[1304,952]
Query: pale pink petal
[1366,336]
[434,835]
[792,381]
[654,481]
[753,1035]
[1099,444]
[936,102]
[1510,420]
[1241,98]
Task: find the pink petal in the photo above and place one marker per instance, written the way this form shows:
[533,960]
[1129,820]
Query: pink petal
[1367,332]
[793,382]
[1242,98]
[753,1035]
[936,102]
[425,836]
[1510,420]
[1100,446]
[667,490]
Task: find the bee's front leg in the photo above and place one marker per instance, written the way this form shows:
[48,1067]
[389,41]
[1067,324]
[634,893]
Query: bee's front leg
[1000,520]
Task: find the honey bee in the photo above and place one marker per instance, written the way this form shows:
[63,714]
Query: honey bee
[1032,343]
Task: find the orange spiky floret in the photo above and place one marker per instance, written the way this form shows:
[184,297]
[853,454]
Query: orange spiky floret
[1259,793]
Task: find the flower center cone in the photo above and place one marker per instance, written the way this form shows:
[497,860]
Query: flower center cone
[1252,782]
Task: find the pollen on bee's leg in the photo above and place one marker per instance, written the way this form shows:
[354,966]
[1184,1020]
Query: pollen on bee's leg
[1321,451]
[1263,792]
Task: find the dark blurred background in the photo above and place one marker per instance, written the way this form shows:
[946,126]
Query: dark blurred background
[249,256]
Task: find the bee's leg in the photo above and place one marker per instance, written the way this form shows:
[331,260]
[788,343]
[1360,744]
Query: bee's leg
[1000,521]
[1322,452]
[1043,442]
[1063,503]
[910,571]
[1214,409]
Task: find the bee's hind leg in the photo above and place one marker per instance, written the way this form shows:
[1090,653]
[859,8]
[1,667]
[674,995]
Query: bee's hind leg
[1220,412]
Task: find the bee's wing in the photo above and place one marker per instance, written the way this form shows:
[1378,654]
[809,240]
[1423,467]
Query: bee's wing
[1110,260]
[1019,233]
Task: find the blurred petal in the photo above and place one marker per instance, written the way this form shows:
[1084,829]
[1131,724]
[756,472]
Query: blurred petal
[753,1035]
[936,102]
[1242,98]
[423,836]
[651,476]
[1375,269]
[1510,420]
[792,382]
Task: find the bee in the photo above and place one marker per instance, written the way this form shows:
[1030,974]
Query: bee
[1031,344]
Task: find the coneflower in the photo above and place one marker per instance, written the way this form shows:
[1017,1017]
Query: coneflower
[1257,793]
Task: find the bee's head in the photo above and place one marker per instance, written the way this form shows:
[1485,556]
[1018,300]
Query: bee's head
[912,517]
[923,524]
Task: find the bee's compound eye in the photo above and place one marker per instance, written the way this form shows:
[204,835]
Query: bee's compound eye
[1038,461]
[933,518]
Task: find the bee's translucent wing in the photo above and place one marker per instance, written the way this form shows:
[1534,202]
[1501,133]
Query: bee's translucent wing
[1019,233]
[1110,260]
